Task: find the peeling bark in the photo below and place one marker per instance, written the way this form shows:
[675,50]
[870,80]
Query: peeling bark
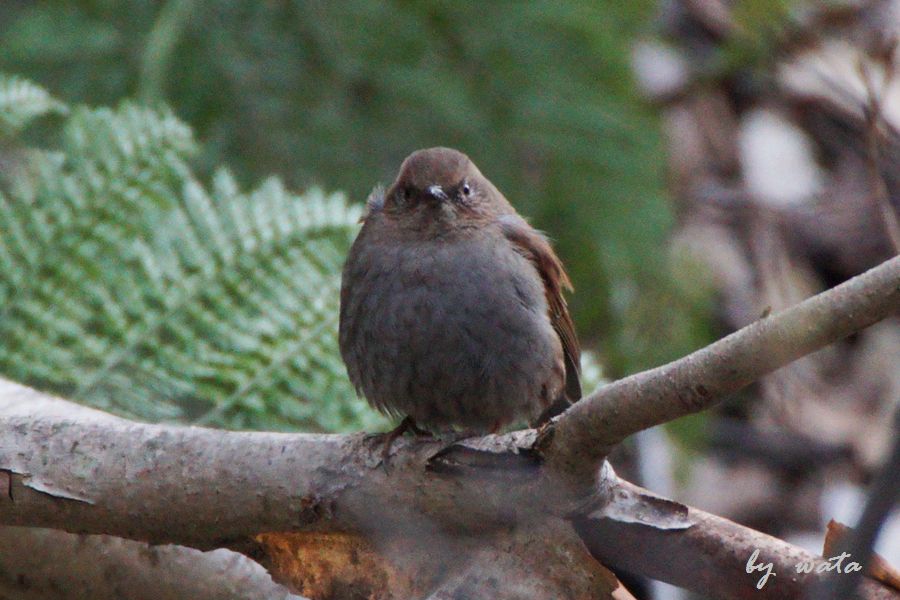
[513,564]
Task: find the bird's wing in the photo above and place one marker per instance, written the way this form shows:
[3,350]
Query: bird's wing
[535,247]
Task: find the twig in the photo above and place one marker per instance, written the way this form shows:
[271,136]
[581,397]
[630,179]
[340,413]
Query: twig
[873,112]
[860,541]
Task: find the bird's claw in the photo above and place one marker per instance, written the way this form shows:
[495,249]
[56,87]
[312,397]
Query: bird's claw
[407,424]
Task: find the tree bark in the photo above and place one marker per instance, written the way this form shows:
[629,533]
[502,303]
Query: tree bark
[45,564]
[208,488]
[586,432]
[710,557]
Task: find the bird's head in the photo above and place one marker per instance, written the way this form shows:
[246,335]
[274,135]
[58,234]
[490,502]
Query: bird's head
[441,187]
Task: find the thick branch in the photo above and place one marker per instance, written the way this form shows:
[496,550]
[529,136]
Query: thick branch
[588,430]
[548,561]
[67,467]
[710,557]
[211,488]
[44,564]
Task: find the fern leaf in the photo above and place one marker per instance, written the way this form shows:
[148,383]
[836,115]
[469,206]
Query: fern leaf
[127,285]
[21,102]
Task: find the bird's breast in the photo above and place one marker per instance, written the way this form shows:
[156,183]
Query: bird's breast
[467,299]
[449,332]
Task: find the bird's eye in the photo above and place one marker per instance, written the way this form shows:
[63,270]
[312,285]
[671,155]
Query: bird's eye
[466,189]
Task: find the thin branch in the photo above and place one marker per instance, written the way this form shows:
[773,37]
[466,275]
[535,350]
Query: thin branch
[584,434]
[884,495]
[873,113]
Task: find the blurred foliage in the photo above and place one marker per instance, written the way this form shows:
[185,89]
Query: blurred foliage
[128,285]
[337,93]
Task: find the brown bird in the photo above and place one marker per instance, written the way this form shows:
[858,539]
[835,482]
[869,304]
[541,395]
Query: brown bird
[452,312]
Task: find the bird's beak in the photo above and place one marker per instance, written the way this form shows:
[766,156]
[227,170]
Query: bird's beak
[436,192]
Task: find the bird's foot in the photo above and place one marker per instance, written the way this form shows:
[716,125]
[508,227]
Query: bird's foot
[408,424]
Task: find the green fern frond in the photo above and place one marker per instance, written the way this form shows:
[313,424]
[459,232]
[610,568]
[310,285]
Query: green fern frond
[22,101]
[126,284]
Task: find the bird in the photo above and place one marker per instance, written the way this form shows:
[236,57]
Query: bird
[452,314]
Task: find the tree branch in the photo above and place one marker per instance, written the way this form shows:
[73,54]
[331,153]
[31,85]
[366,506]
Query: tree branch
[44,564]
[210,488]
[709,558]
[149,482]
[859,543]
[584,434]
[68,467]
